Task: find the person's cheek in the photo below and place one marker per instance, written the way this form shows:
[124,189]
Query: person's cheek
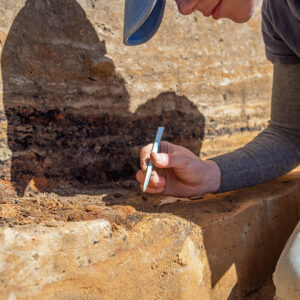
[186,7]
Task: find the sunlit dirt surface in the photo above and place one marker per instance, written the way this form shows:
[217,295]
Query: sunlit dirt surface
[228,222]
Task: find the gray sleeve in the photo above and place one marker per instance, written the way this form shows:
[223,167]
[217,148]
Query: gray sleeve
[281,30]
[276,150]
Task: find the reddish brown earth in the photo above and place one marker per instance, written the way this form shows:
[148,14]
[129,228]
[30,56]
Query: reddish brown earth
[227,229]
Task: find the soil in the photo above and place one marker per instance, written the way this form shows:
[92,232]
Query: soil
[266,292]
[70,205]
[121,203]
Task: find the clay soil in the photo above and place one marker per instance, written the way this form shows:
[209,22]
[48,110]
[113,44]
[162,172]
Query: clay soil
[73,204]
[266,292]
[121,203]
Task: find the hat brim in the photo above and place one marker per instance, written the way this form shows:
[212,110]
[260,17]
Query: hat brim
[142,19]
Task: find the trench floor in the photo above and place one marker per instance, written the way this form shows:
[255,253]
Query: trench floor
[122,204]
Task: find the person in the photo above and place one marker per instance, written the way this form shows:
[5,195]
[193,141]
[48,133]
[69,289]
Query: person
[274,152]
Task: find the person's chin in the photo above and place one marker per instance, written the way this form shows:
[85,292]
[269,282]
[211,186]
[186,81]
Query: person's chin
[240,18]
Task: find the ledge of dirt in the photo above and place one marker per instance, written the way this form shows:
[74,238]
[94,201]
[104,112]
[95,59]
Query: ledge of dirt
[120,243]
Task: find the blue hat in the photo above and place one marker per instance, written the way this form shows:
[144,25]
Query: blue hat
[142,19]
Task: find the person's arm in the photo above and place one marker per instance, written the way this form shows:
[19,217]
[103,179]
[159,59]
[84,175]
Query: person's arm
[276,150]
[271,154]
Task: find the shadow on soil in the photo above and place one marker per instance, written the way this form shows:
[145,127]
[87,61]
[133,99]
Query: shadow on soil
[68,110]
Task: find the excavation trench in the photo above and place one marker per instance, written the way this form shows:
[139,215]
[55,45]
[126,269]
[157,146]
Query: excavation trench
[77,106]
[96,243]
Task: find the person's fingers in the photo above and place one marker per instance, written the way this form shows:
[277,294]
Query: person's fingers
[186,7]
[140,176]
[165,160]
[154,182]
[154,179]
[151,190]
[145,156]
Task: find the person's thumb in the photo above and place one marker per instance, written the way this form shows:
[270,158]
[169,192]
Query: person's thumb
[169,160]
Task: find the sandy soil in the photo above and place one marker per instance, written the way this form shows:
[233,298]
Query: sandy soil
[121,203]
[71,204]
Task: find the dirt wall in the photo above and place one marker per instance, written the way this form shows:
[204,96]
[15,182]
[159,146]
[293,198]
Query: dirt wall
[76,104]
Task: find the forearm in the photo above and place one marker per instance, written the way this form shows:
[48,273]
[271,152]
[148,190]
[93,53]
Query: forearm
[276,150]
[271,154]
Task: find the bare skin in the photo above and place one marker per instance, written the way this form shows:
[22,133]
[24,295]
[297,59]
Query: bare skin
[178,172]
[239,11]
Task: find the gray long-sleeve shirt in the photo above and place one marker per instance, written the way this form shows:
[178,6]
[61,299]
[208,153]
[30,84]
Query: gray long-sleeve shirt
[276,150]
[281,30]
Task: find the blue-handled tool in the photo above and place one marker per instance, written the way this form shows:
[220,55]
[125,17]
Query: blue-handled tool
[159,134]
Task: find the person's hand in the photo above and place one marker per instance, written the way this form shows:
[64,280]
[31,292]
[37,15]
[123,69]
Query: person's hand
[178,172]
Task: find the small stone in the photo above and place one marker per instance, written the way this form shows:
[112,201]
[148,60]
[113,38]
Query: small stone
[52,223]
[94,209]
[35,256]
